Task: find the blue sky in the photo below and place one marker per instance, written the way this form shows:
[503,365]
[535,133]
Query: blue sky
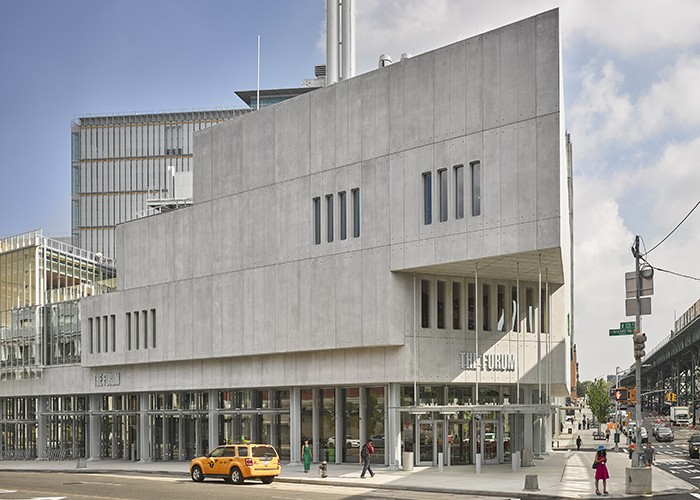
[631,72]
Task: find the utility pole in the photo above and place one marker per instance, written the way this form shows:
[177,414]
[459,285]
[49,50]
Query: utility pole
[639,339]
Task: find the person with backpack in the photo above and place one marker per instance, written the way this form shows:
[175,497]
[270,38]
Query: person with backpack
[365,456]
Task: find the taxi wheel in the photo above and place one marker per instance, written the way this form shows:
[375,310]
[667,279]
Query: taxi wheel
[236,476]
[196,474]
[267,479]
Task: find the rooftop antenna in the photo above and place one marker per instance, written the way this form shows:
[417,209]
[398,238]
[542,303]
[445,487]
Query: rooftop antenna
[258,93]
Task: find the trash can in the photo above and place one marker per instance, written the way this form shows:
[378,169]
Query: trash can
[407,460]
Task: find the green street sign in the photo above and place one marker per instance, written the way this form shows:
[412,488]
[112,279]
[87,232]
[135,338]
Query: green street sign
[620,331]
[629,325]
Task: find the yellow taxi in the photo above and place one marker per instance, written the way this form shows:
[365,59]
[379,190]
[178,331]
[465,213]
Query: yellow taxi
[235,463]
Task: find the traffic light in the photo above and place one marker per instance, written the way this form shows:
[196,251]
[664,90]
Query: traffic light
[673,397]
[639,339]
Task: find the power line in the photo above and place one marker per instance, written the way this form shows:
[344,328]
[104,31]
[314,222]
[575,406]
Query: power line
[674,229]
[676,274]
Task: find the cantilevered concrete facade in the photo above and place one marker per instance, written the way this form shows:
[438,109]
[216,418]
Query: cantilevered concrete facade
[385,257]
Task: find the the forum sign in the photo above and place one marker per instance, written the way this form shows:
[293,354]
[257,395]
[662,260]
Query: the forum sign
[489,362]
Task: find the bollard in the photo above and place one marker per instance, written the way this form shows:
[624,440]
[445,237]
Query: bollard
[440,459]
[478,463]
[323,469]
[531,482]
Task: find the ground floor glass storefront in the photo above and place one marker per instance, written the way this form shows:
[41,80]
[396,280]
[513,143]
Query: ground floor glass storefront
[440,421]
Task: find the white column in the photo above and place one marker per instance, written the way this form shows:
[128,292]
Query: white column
[363,415]
[392,431]
[295,425]
[213,441]
[339,425]
[94,423]
[316,421]
[348,39]
[40,430]
[332,65]
[144,428]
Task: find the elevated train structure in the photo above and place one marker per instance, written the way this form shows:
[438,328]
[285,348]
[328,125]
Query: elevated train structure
[671,371]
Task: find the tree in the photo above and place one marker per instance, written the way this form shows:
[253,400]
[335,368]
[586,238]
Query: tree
[599,400]
[582,388]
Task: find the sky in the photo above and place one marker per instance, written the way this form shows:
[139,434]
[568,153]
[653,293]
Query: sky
[632,105]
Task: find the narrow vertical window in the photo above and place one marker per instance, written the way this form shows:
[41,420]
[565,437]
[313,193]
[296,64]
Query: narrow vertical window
[91,336]
[425,303]
[153,327]
[441,286]
[476,187]
[145,329]
[329,217]
[442,193]
[105,333]
[515,314]
[113,331]
[317,221]
[356,213]
[486,306]
[343,207]
[501,305]
[98,337]
[530,307]
[427,198]
[456,302]
[459,191]
[471,294]
[544,327]
[137,329]
[128,331]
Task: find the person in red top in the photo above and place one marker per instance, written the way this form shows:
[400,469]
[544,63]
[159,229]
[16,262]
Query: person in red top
[365,456]
[601,470]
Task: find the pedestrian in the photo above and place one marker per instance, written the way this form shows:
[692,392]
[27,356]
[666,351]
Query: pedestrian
[607,435]
[306,454]
[365,458]
[601,470]
[578,443]
[579,426]
[649,455]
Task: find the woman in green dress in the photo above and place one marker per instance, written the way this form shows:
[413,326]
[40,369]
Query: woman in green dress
[306,453]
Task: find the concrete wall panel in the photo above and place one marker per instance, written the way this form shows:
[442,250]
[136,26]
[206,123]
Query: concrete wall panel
[527,172]
[457,89]
[354,117]
[492,172]
[396,130]
[509,73]
[548,63]
[491,80]
[342,124]
[441,97]
[527,69]
[548,154]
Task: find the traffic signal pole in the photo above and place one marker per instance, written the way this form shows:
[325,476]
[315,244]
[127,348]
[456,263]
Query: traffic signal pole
[638,355]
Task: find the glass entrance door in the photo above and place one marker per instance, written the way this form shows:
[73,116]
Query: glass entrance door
[430,439]
[490,439]
[459,439]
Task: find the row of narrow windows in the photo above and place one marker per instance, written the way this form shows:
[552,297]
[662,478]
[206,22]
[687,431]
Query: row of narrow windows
[443,192]
[342,219]
[140,327]
[448,301]
[140,331]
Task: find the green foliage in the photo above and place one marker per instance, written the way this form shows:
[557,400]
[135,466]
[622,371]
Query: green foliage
[599,400]
[582,388]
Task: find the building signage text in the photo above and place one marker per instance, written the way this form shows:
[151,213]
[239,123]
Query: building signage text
[489,362]
[106,379]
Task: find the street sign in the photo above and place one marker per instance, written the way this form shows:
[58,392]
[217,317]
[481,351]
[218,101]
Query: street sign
[627,325]
[644,306]
[647,285]
[620,331]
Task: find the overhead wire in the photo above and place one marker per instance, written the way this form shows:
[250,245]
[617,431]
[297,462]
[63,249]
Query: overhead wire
[674,229]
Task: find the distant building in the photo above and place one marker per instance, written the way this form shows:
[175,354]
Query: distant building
[41,283]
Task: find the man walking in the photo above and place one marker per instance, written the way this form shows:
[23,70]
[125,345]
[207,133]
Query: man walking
[578,443]
[366,455]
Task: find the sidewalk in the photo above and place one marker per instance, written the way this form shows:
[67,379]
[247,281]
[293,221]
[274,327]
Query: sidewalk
[562,473]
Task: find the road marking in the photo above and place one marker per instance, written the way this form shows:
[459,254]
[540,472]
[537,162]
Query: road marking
[696,495]
[8,491]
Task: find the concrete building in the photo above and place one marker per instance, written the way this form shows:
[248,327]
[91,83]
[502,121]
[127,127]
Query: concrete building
[385,257]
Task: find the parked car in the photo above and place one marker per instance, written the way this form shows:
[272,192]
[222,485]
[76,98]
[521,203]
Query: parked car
[235,463]
[643,435]
[598,435]
[654,429]
[694,446]
[664,434]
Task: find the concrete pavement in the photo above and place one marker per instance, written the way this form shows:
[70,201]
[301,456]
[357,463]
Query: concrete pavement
[563,473]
